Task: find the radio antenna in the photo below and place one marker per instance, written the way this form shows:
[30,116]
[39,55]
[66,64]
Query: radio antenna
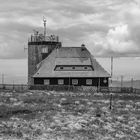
[44,21]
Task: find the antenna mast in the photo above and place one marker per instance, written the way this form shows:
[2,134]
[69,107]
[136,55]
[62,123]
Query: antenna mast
[44,20]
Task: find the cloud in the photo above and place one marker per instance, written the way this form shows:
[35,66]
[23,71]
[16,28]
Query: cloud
[107,28]
[117,42]
[119,39]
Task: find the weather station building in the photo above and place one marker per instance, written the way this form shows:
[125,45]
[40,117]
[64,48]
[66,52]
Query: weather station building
[49,63]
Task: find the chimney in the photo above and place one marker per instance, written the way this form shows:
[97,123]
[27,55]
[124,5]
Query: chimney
[83,48]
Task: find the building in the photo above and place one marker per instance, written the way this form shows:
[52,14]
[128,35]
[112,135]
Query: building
[51,64]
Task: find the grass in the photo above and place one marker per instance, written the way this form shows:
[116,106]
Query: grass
[39,114]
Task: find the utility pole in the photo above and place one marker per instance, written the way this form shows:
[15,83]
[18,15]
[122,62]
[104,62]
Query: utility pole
[121,81]
[132,85]
[111,68]
[111,73]
[110,107]
[131,82]
[2,78]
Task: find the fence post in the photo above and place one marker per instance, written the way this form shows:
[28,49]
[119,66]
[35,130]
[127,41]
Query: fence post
[132,85]
[13,87]
[110,107]
[98,85]
[121,82]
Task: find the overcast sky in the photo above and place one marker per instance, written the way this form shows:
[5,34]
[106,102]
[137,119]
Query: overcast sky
[106,27]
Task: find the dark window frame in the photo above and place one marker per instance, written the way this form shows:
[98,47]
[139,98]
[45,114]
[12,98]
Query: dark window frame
[73,67]
[89,83]
[77,81]
[59,83]
[61,67]
[46,81]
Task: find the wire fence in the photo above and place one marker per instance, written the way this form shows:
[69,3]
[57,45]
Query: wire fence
[90,89]
[14,87]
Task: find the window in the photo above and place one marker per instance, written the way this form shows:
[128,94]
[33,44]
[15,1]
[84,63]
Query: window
[60,82]
[73,67]
[89,81]
[105,81]
[75,81]
[61,68]
[46,82]
[44,50]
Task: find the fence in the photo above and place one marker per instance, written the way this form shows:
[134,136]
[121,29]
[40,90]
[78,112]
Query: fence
[90,89]
[14,87]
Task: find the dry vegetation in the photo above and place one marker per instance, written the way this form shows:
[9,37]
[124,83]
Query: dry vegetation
[44,115]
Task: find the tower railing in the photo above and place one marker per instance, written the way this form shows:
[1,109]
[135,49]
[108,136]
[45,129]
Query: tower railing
[40,37]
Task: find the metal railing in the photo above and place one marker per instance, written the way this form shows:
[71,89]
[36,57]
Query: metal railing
[36,38]
[14,87]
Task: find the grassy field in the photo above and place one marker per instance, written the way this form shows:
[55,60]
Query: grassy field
[44,115]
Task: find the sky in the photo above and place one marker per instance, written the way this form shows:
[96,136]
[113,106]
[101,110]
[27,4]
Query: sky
[107,28]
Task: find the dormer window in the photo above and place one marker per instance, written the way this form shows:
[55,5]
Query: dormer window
[73,67]
[85,67]
[61,68]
